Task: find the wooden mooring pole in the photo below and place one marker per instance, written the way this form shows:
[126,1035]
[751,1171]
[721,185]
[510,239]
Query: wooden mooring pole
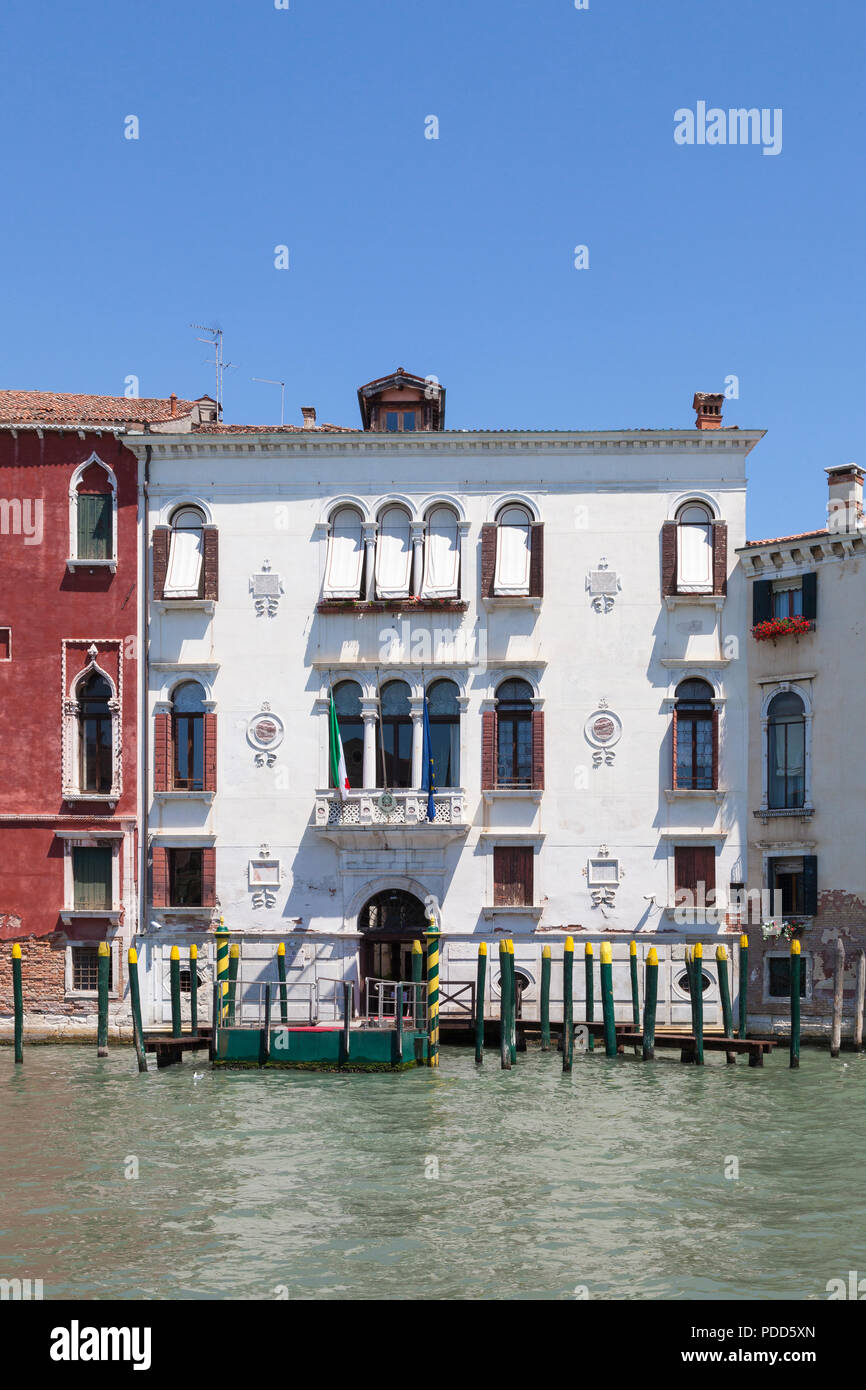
[796,967]
[743,982]
[860,1000]
[545,999]
[174,971]
[281,976]
[135,1002]
[838,996]
[725,996]
[103,966]
[568,1003]
[512,1002]
[193,990]
[18,1001]
[504,1043]
[607,1011]
[635,990]
[590,993]
[650,1000]
[698,1002]
[480,982]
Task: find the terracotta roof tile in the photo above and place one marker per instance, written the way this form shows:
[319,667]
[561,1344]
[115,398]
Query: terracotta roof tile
[799,536]
[53,408]
[275,429]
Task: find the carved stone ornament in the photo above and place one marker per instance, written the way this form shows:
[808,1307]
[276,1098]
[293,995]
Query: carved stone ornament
[265,732]
[267,590]
[602,730]
[603,584]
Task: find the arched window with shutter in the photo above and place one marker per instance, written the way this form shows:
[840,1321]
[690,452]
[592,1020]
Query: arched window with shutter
[695,737]
[345,566]
[93,514]
[514,762]
[393,554]
[513,552]
[185,573]
[442,555]
[694,549]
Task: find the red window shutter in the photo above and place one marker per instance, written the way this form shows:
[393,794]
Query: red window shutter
[210,752]
[525,866]
[211,562]
[705,867]
[674,737]
[538,750]
[669,558]
[161,537]
[162,752]
[684,868]
[720,557]
[488,750]
[536,560]
[715,749]
[208,877]
[160,876]
[512,876]
[488,559]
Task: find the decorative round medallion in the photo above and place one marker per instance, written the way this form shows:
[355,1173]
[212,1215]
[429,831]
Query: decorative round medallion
[386,802]
[265,731]
[603,728]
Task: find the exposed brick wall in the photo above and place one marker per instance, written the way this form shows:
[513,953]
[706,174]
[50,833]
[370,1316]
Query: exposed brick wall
[211,562]
[159,876]
[210,752]
[161,537]
[720,557]
[43,980]
[840,914]
[669,558]
[536,560]
[162,752]
[488,750]
[538,749]
[488,559]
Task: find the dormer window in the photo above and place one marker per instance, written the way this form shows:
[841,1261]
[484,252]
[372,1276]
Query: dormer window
[402,403]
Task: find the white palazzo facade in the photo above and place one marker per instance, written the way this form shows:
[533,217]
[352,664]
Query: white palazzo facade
[569,604]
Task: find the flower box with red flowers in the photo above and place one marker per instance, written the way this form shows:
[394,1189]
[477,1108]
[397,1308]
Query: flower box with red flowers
[781,627]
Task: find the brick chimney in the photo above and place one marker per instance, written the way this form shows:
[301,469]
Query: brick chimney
[708,410]
[309,414]
[845,499]
[173,399]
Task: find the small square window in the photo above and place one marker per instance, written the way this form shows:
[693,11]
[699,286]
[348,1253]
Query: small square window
[392,421]
[787,601]
[779,977]
[409,420]
[5,644]
[85,969]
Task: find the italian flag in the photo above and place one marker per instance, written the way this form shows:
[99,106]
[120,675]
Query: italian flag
[338,761]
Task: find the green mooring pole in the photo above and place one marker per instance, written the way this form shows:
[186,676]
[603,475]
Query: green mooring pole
[744,983]
[607,1000]
[281,976]
[650,999]
[545,999]
[135,1001]
[234,962]
[512,1003]
[687,1054]
[588,965]
[504,1047]
[174,969]
[635,991]
[698,1002]
[479,1002]
[568,1003]
[796,967]
[103,966]
[725,996]
[193,990]
[18,1001]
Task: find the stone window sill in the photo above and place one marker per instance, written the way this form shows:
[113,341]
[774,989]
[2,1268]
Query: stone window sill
[489,912]
[70,915]
[74,564]
[695,794]
[512,793]
[201,605]
[512,601]
[184,795]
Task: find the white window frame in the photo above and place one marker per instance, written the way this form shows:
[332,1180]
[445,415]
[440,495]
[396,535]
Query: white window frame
[68,973]
[69,912]
[500,588]
[330,590]
[782,688]
[806,962]
[71,753]
[703,586]
[74,562]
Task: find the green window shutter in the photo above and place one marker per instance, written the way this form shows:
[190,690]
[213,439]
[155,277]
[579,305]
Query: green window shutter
[810,885]
[762,601]
[91,872]
[94,526]
[810,595]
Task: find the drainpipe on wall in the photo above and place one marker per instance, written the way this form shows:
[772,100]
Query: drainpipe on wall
[143,723]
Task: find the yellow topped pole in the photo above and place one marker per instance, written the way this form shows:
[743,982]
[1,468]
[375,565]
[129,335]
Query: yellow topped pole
[432,994]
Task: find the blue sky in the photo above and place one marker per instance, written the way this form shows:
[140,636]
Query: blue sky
[305,127]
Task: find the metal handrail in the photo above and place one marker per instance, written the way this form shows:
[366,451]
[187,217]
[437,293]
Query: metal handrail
[382,1003]
[251,996]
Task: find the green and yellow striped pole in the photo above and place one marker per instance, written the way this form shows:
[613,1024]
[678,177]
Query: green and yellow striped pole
[744,984]
[102,967]
[234,963]
[18,1001]
[606,971]
[479,1003]
[545,999]
[725,997]
[504,1044]
[222,969]
[568,1003]
[193,990]
[590,994]
[135,1002]
[796,967]
[432,994]
[174,970]
[698,1005]
[650,1000]
[281,976]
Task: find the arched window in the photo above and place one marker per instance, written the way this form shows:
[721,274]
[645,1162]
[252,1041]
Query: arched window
[444,712]
[96,743]
[694,549]
[396,735]
[442,555]
[514,734]
[92,513]
[695,749]
[345,567]
[187,709]
[347,702]
[185,574]
[393,554]
[513,551]
[786,752]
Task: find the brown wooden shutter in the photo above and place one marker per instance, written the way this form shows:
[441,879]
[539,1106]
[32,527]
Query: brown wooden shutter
[715,749]
[488,750]
[488,559]
[669,558]
[211,562]
[208,877]
[210,752]
[162,753]
[675,730]
[538,750]
[160,875]
[513,876]
[536,560]
[161,538]
[684,868]
[705,867]
[720,557]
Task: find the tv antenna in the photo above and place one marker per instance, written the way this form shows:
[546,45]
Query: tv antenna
[220,365]
[269,381]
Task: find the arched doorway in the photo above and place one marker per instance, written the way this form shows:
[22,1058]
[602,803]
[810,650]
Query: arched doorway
[389,922]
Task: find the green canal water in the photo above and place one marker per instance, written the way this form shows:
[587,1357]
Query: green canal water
[466,1184]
